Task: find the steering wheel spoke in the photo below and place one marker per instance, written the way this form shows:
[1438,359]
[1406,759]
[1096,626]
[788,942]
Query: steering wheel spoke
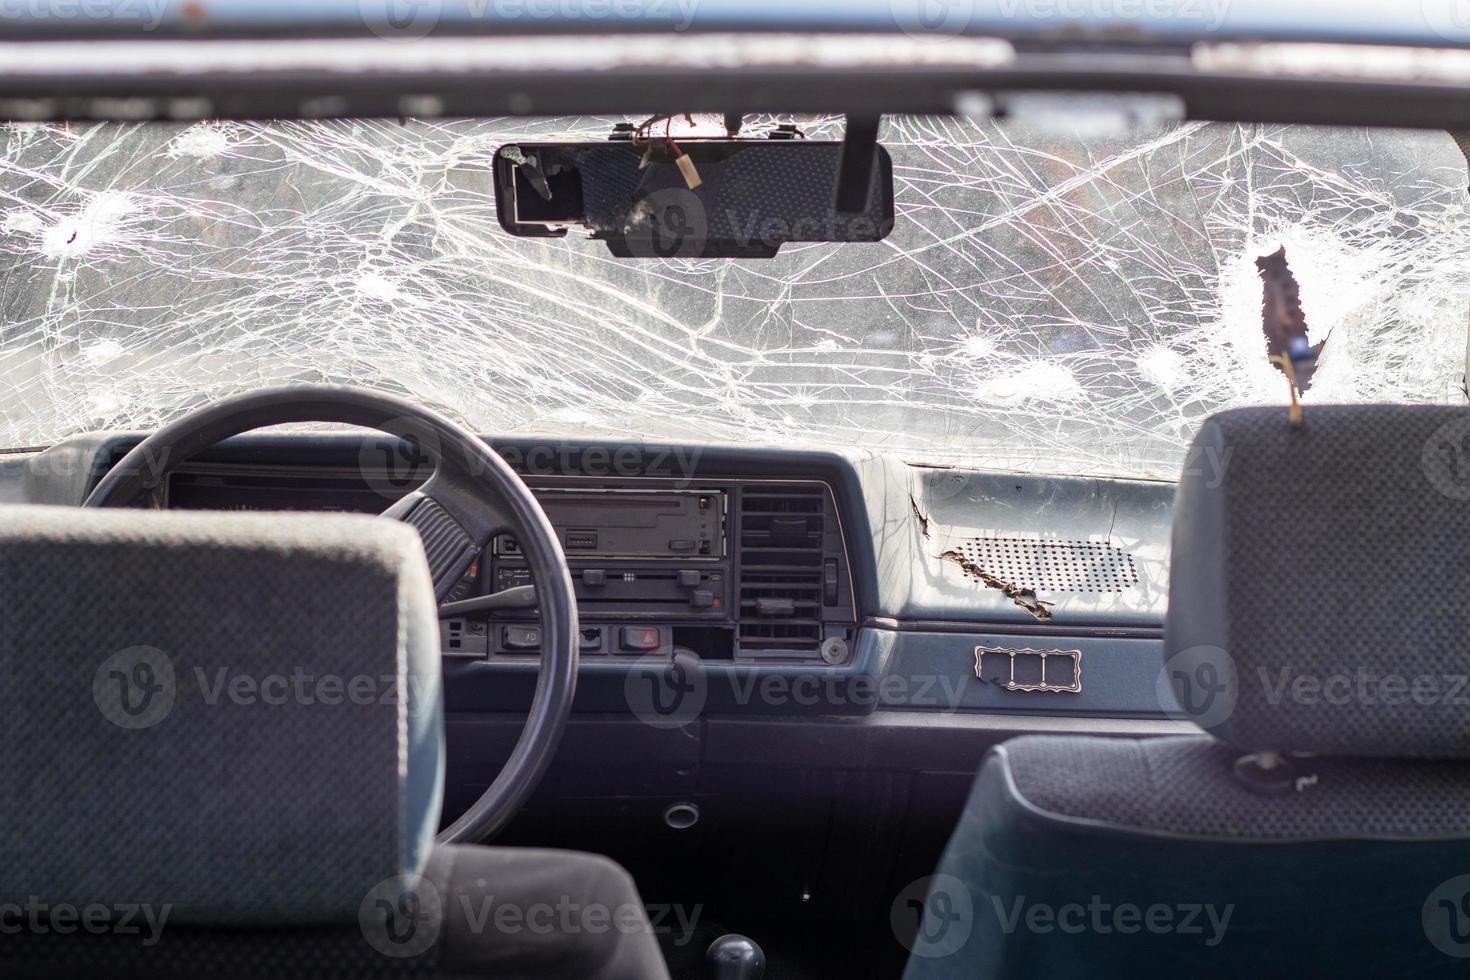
[453,537]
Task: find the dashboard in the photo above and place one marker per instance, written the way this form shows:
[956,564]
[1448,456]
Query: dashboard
[901,595]
[730,570]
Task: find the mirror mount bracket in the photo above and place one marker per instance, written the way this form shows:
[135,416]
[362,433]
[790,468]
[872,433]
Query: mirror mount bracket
[855,165]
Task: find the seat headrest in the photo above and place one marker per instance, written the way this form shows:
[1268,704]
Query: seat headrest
[1319,581]
[238,716]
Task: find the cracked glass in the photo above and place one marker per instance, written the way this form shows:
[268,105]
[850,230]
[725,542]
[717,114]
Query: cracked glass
[1050,300]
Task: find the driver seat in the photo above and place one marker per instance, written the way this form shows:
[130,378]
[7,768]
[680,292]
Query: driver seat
[226,759]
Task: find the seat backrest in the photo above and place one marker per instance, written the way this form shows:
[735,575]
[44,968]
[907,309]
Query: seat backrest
[1317,628]
[1318,580]
[235,715]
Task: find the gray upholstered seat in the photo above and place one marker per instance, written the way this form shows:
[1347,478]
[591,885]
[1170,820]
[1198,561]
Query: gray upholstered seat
[1318,629]
[225,758]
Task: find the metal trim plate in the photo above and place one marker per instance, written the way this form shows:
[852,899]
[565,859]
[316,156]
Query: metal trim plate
[1013,685]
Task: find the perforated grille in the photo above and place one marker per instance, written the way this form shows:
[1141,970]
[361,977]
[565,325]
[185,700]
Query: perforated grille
[1053,566]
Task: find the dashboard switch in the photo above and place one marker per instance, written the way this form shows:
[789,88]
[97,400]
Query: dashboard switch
[688,577]
[590,640]
[521,637]
[594,576]
[701,598]
[639,638]
[681,545]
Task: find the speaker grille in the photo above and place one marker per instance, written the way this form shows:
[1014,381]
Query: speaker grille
[1053,566]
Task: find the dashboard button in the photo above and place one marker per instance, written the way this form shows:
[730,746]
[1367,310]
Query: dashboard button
[701,598]
[520,637]
[678,545]
[688,577]
[594,576]
[590,640]
[639,638]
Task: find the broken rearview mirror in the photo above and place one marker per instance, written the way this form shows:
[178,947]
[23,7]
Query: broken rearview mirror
[697,198]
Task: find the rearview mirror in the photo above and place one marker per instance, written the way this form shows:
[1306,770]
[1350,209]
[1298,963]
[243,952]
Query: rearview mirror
[697,198]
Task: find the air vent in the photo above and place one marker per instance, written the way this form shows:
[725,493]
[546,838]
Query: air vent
[1053,566]
[782,533]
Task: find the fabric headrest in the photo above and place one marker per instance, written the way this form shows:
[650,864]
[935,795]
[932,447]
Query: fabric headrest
[1319,581]
[237,716]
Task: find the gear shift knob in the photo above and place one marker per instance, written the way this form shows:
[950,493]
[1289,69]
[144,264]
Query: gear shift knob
[734,957]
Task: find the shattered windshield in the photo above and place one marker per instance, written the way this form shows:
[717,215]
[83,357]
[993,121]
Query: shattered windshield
[1047,301]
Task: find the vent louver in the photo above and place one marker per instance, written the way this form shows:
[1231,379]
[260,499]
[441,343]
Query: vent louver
[782,532]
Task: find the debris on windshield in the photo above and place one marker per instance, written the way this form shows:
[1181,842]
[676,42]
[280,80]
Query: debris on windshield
[1025,598]
[1284,323]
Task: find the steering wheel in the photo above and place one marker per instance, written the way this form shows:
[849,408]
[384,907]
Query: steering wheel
[472,495]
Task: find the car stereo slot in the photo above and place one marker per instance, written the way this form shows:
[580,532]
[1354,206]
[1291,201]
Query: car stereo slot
[631,524]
